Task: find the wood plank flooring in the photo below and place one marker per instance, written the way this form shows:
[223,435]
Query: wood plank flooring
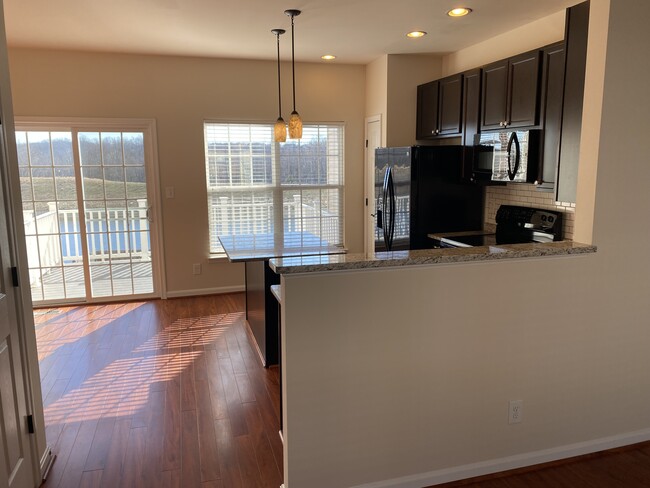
[625,467]
[164,393]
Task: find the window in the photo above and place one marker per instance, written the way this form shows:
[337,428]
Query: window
[269,194]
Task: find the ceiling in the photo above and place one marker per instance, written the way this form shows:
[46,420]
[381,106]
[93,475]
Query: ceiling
[356,31]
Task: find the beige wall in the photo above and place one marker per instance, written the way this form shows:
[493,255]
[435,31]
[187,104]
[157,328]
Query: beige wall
[405,73]
[377,91]
[591,122]
[391,91]
[180,93]
[539,33]
[418,392]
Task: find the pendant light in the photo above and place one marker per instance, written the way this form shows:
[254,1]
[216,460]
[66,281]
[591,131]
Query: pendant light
[295,123]
[280,127]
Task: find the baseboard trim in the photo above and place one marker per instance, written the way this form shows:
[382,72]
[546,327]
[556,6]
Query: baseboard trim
[206,291]
[46,462]
[512,462]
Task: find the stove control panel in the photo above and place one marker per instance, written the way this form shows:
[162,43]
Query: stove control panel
[532,219]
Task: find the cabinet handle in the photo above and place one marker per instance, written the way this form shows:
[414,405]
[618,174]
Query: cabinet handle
[501,124]
[433,132]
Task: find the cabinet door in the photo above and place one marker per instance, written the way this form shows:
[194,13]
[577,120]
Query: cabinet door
[577,30]
[552,99]
[427,110]
[471,117]
[450,104]
[523,96]
[471,105]
[494,95]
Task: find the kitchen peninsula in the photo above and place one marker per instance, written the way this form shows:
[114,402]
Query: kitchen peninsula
[383,357]
[255,251]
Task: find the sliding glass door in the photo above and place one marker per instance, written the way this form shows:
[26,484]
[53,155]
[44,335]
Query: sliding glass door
[88,214]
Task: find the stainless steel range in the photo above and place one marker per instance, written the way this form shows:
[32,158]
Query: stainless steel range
[515,225]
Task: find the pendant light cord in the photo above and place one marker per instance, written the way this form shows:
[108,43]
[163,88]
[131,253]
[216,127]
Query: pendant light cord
[279,86]
[293,67]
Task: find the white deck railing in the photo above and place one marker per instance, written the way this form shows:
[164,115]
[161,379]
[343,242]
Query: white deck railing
[257,218]
[54,237]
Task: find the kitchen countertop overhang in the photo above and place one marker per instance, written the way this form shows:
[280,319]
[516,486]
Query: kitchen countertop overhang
[265,246]
[341,262]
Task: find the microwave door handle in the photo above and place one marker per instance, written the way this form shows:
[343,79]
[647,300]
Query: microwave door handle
[518,157]
[512,173]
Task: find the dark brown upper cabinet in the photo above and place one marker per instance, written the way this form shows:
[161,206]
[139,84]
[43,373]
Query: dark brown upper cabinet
[575,38]
[439,109]
[471,105]
[552,92]
[510,95]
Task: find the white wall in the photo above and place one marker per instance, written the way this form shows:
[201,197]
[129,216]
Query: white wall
[414,386]
[180,93]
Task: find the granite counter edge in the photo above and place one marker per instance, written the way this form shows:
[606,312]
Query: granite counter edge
[429,257]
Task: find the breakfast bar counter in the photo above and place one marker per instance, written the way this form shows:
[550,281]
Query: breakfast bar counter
[255,251]
[310,264]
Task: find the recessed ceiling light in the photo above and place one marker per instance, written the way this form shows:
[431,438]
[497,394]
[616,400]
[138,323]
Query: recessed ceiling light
[328,57]
[459,12]
[416,34]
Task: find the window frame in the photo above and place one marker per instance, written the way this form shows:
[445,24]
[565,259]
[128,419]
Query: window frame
[277,188]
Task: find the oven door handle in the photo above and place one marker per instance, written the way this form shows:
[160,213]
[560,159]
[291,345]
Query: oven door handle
[512,173]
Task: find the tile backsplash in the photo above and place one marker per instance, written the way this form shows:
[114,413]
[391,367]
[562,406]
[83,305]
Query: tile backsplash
[527,195]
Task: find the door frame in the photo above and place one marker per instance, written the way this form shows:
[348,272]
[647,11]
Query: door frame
[41,454]
[369,186]
[148,127]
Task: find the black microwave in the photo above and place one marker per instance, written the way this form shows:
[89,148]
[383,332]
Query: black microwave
[506,156]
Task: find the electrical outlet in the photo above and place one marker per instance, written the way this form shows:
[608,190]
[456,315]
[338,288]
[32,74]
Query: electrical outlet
[196,269]
[169,192]
[515,411]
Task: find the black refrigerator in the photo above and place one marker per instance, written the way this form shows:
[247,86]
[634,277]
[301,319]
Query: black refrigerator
[418,191]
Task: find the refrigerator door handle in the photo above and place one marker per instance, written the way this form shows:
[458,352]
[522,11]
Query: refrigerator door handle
[391,194]
[384,205]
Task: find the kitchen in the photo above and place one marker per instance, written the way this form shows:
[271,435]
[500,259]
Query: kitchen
[594,338]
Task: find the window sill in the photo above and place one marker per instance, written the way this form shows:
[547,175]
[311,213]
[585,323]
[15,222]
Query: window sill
[218,258]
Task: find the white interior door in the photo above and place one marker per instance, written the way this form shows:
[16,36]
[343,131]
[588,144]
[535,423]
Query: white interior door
[373,141]
[15,450]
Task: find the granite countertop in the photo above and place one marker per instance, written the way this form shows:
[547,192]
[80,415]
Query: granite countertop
[310,264]
[260,247]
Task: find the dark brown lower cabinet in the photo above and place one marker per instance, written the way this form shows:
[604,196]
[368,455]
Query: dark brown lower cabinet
[262,309]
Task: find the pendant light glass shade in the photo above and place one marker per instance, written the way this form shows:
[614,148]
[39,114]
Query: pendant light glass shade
[295,125]
[280,127]
[295,122]
[280,130]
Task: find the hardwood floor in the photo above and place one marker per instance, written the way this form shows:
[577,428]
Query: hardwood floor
[625,467]
[162,393]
